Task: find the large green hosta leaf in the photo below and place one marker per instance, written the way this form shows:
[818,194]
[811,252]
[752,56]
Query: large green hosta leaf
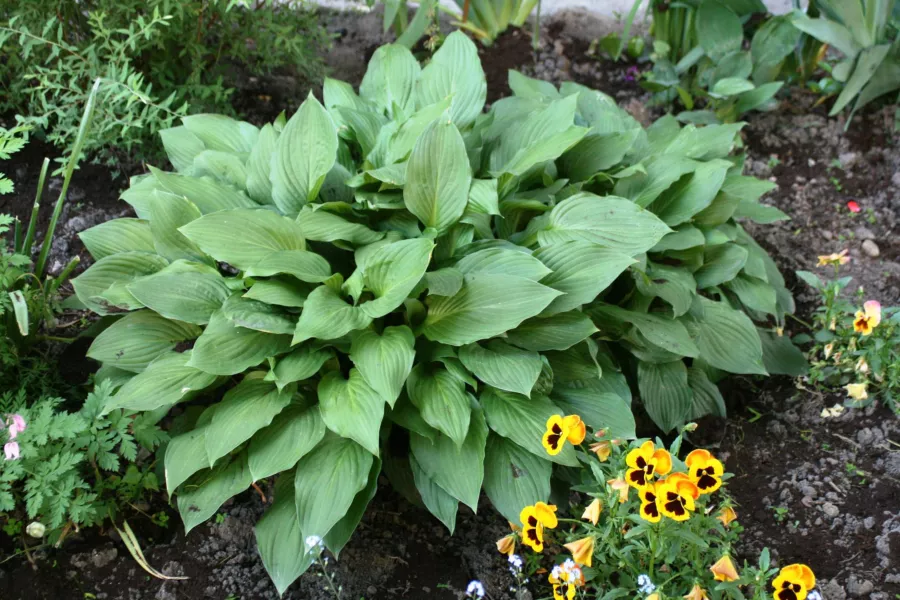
[513,477]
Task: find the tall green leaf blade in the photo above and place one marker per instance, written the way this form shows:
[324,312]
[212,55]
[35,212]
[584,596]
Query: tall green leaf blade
[262,233]
[441,399]
[665,392]
[293,433]
[304,154]
[390,79]
[340,534]
[455,71]
[458,471]
[524,421]
[167,214]
[486,306]
[441,504]
[327,481]
[281,543]
[513,477]
[351,408]
[198,503]
[385,360]
[438,177]
[259,166]
[226,349]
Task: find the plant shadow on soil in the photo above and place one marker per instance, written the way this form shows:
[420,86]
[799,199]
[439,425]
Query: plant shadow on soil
[843,522]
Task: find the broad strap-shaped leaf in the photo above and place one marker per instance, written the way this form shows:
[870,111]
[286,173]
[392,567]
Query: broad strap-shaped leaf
[299,365]
[280,291]
[438,176]
[181,147]
[458,471]
[340,534]
[113,273]
[281,543]
[118,235]
[327,481]
[559,332]
[165,382]
[167,214]
[205,193]
[665,392]
[139,338]
[727,339]
[781,356]
[218,132]
[513,260]
[503,366]
[294,432]
[258,316]
[351,408]
[441,399]
[392,271]
[323,226]
[222,166]
[486,306]
[226,349]
[259,166]
[707,399]
[198,503]
[184,291]
[304,154]
[669,334]
[438,502]
[513,477]
[262,232]
[326,316]
[524,421]
[385,360]
[600,409]
[245,409]
[455,71]
[581,270]
[720,264]
[186,453]
[390,79]
[612,222]
[302,264]
[684,200]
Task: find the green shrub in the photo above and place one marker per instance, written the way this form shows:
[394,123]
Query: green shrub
[158,60]
[11,141]
[396,269]
[68,468]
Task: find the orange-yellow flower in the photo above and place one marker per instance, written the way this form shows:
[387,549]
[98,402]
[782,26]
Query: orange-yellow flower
[840,258]
[592,512]
[602,450]
[653,596]
[705,470]
[857,391]
[507,544]
[724,569]
[620,485]
[794,582]
[675,496]
[867,319]
[649,510]
[582,550]
[696,593]
[645,463]
[577,429]
[727,515]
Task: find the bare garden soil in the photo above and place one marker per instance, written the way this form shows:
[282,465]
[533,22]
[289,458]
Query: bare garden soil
[824,491]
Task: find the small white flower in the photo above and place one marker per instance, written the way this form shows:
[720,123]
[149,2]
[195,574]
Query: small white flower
[36,529]
[814,595]
[475,589]
[645,586]
[515,563]
[313,541]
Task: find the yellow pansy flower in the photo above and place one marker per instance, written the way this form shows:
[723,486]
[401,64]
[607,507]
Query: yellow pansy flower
[705,470]
[645,463]
[794,582]
[649,510]
[867,319]
[675,496]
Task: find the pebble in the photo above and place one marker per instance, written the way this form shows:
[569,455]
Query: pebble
[830,509]
[869,522]
[859,588]
[833,591]
[895,179]
[848,159]
[865,437]
[870,249]
[864,233]
[371,590]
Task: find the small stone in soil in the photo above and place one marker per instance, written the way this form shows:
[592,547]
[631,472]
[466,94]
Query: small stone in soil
[830,509]
[870,248]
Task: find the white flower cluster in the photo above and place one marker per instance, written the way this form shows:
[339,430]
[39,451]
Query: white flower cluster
[645,586]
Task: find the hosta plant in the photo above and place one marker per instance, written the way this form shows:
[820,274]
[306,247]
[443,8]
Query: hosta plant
[394,280]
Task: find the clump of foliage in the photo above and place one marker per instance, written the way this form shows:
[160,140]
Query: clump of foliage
[865,32]
[699,56]
[855,343]
[11,141]
[54,50]
[396,280]
[67,470]
[651,525]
